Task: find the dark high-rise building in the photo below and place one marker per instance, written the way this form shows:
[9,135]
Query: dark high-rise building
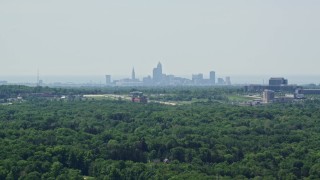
[212,77]
[157,73]
[278,81]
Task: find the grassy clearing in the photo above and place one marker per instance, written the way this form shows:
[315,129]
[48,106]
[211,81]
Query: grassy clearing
[240,98]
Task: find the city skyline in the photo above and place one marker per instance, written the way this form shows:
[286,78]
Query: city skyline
[108,79]
[159,78]
[211,77]
[100,79]
[99,37]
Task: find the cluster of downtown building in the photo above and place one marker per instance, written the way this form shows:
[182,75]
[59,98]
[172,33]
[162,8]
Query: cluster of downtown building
[160,79]
[288,93]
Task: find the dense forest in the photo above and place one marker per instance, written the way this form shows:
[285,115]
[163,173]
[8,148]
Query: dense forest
[109,139]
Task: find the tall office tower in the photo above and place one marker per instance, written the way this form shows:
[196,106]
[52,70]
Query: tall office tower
[133,75]
[157,73]
[228,80]
[159,67]
[154,74]
[212,77]
[108,79]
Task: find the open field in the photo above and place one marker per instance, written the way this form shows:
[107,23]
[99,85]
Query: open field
[241,98]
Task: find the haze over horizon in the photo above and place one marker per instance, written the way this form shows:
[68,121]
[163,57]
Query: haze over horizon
[99,37]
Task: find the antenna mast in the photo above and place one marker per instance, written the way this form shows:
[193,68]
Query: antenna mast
[38,78]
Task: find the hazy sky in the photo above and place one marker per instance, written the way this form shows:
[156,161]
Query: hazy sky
[97,37]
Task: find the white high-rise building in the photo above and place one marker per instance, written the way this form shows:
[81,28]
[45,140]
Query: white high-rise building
[267,96]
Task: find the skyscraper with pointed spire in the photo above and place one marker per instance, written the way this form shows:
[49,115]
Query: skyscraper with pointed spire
[133,75]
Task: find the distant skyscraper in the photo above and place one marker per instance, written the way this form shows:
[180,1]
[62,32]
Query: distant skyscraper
[221,81]
[157,73]
[197,78]
[133,75]
[147,80]
[212,77]
[228,80]
[159,67]
[108,79]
